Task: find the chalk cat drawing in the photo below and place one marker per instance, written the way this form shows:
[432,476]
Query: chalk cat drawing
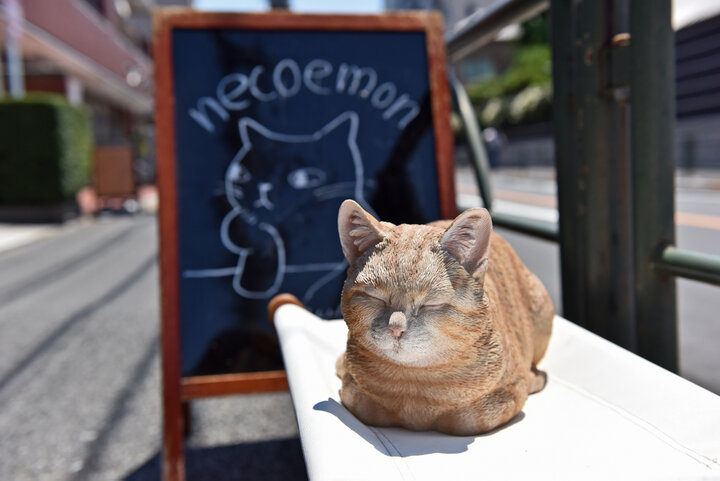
[280,186]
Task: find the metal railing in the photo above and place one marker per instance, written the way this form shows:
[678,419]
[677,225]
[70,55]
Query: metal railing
[616,195]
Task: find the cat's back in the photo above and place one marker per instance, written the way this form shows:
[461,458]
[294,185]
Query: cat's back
[518,295]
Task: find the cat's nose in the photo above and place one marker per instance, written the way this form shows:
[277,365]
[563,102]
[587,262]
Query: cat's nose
[397,325]
[263,199]
[396,332]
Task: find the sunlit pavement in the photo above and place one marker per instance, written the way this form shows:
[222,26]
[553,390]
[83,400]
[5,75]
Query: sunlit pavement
[79,370]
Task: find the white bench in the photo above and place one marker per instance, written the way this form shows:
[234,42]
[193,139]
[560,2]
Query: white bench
[604,414]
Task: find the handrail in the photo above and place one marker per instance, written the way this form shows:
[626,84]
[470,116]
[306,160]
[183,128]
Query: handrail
[524,225]
[482,26]
[689,264]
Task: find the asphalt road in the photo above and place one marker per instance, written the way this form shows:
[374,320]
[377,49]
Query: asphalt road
[697,228]
[79,371]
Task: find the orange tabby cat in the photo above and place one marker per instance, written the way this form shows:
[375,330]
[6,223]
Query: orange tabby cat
[446,324]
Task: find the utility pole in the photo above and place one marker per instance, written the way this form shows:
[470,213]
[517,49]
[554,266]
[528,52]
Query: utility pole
[13,19]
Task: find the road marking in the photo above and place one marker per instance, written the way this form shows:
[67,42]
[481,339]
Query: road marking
[697,220]
[544,207]
[540,200]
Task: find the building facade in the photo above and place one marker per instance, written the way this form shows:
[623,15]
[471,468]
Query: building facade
[93,52]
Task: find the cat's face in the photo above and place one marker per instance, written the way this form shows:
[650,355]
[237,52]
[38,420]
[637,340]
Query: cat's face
[414,292]
[275,174]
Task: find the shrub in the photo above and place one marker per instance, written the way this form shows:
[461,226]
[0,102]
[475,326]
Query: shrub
[522,94]
[45,150]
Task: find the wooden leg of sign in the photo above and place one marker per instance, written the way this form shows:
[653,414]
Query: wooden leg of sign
[187,419]
[173,453]
[173,456]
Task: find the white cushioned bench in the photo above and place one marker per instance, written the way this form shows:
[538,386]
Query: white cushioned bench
[604,414]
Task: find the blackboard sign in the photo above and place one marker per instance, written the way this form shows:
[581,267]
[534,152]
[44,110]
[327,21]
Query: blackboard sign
[266,123]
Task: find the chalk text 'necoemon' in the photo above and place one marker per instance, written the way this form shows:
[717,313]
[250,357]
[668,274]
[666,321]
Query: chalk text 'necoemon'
[236,91]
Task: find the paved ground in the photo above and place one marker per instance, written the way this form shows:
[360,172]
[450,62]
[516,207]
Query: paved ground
[79,374]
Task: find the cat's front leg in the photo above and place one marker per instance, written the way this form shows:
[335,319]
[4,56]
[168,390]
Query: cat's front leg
[490,412]
[340,368]
[365,408]
[538,379]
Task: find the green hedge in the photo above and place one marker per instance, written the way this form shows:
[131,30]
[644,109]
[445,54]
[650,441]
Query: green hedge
[45,150]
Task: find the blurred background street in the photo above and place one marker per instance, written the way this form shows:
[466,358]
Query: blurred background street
[80,392]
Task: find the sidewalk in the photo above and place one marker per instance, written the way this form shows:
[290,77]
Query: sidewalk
[13,236]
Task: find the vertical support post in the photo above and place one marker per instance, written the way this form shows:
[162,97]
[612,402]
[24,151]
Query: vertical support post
[473,140]
[592,171]
[2,74]
[653,149]
[13,31]
[173,452]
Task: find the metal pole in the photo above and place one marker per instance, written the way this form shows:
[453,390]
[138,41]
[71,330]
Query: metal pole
[483,27]
[2,75]
[692,265]
[474,141]
[592,173]
[653,149]
[14,18]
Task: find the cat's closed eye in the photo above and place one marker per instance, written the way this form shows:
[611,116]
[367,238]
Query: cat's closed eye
[373,297]
[434,306]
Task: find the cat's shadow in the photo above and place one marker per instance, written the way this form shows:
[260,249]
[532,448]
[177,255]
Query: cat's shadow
[405,443]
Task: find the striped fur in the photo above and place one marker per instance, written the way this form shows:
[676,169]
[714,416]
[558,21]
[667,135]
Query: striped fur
[442,335]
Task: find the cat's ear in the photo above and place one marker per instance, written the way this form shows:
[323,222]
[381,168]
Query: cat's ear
[358,230]
[468,240]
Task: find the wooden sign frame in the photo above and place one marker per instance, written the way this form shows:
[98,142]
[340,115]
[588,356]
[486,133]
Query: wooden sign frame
[178,390]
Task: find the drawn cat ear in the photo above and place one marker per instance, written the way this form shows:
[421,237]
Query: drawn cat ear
[252,132]
[468,240]
[358,230]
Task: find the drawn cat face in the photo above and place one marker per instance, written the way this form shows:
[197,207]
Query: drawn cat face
[279,187]
[414,292]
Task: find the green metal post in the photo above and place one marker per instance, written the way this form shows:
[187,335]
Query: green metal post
[595,228]
[653,148]
[474,141]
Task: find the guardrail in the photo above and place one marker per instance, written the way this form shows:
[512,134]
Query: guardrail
[619,260]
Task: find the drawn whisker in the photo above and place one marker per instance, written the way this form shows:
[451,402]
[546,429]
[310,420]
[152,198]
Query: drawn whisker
[312,290]
[327,192]
[343,186]
[334,193]
[326,266]
[333,196]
